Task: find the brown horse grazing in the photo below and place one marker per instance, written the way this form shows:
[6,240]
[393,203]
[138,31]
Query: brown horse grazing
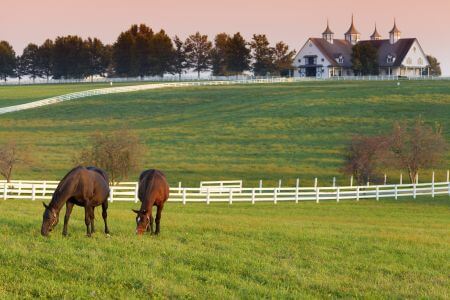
[153,191]
[86,187]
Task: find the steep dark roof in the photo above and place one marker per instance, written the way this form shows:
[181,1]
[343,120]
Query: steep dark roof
[334,50]
[399,50]
[342,47]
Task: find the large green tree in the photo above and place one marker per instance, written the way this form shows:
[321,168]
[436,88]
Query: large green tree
[99,57]
[365,59]
[283,59]
[180,63]
[7,60]
[123,55]
[237,56]
[162,54]
[30,61]
[435,66]
[199,55]
[45,58]
[262,55]
[70,57]
[218,55]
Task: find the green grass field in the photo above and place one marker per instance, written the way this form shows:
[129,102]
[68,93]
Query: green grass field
[367,249]
[269,132]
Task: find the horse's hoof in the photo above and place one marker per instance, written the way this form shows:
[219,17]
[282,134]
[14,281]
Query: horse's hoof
[108,235]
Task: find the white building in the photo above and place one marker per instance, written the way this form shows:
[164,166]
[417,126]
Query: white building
[327,57]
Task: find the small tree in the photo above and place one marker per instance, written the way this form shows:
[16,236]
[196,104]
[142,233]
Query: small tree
[180,63]
[30,61]
[415,147]
[238,56]
[283,59]
[363,157]
[435,66]
[263,55]
[7,60]
[118,153]
[9,158]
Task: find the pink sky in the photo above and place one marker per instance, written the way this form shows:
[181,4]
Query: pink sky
[292,21]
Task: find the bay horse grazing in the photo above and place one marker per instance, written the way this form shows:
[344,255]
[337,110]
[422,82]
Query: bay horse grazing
[153,191]
[86,187]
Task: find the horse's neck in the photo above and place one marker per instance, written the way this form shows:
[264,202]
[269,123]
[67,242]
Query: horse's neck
[59,200]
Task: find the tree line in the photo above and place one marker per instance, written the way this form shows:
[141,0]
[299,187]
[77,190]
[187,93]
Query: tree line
[140,51]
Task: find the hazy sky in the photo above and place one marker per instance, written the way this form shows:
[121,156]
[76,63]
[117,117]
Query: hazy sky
[292,21]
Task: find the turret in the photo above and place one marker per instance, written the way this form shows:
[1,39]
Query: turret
[352,35]
[376,35]
[328,35]
[394,34]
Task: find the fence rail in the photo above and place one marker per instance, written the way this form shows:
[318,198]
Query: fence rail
[43,190]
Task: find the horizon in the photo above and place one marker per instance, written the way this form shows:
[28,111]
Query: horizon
[291,22]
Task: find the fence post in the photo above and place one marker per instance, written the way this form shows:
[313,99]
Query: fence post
[315,182]
[5,191]
[20,187]
[33,192]
[417,178]
[111,194]
[414,191]
[184,196]
[377,189]
[385,178]
[279,183]
[351,180]
[401,178]
[297,184]
[253,196]
[230,201]
[260,186]
[275,196]
[432,185]
[334,181]
[44,188]
[136,192]
[179,187]
[317,195]
[357,193]
[207,196]
[448,175]
[337,194]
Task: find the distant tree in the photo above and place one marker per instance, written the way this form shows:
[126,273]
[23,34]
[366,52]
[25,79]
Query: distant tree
[7,60]
[219,55]
[365,59]
[416,146]
[99,57]
[179,62]
[162,54]
[199,55]
[118,153]
[363,156]
[435,66]
[283,59]
[10,157]
[70,57]
[20,69]
[262,55]
[142,53]
[123,57]
[45,58]
[237,56]
[30,61]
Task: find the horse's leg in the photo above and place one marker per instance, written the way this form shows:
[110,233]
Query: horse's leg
[158,217]
[150,228]
[87,219]
[105,215]
[69,207]
[92,220]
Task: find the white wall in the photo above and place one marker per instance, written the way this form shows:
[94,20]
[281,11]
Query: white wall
[309,49]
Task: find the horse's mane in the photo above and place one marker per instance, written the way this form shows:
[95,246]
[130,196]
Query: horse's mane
[63,182]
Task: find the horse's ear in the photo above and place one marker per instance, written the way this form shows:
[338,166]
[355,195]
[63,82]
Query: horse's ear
[136,211]
[45,205]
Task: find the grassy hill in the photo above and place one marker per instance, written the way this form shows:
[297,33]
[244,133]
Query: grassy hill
[269,132]
[366,249]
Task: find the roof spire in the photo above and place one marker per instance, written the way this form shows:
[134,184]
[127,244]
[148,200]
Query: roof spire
[376,35]
[352,35]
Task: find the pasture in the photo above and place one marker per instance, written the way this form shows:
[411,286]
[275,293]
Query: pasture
[269,132]
[386,249]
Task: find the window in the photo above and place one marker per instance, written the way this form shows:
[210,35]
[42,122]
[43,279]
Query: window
[409,61]
[300,60]
[323,59]
[420,61]
[340,59]
[390,58]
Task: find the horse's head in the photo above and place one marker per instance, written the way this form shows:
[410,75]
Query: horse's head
[49,220]
[142,221]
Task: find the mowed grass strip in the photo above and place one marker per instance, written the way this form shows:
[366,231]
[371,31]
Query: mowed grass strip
[369,249]
[251,132]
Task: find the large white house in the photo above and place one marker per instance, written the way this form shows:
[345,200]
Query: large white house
[327,57]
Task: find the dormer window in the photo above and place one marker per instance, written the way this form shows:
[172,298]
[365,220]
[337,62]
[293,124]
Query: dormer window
[340,59]
[390,58]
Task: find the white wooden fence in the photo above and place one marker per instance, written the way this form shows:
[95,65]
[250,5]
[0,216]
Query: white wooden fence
[127,191]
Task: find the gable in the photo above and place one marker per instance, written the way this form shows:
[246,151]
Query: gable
[415,57]
[311,49]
